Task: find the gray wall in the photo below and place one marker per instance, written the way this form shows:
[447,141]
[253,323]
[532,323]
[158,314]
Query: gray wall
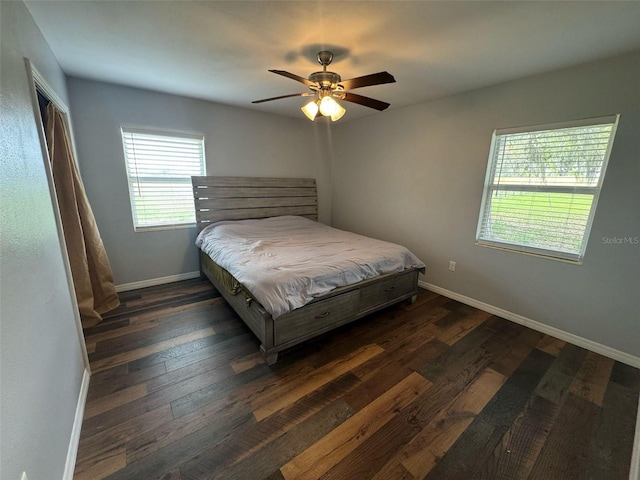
[238,142]
[41,360]
[415,176]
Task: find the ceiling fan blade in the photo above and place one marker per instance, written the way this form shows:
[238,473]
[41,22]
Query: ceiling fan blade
[303,94]
[293,76]
[368,80]
[366,101]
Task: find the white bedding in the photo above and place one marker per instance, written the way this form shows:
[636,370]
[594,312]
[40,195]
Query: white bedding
[285,262]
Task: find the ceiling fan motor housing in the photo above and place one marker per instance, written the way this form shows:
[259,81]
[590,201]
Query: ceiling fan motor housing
[325,79]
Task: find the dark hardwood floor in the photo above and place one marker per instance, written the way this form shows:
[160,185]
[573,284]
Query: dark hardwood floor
[434,390]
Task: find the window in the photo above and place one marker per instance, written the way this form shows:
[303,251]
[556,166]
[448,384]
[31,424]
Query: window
[159,170]
[542,187]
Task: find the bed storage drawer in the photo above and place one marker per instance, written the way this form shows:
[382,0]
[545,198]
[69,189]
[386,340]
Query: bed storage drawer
[387,290]
[317,317]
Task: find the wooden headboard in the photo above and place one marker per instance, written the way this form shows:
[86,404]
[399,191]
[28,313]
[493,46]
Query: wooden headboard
[240,198]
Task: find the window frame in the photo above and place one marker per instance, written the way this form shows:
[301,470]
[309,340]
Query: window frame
[490,187]
[126,129]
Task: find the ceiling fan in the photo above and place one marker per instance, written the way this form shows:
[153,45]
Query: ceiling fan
[326,86]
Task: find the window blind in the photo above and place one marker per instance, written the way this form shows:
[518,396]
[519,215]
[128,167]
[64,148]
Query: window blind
[542,187]
[159,169]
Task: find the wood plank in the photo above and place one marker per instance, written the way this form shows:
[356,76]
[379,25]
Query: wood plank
[100,387]
[551,345]
[175,454]
[170,312]
[370,456]
[626,376]
[404,426]
[421,454]
[211,417]
[610,448]
[90,447]
[172,475]
[166,395]
[241,203]
[591,380]
[402,352]
[266,460]
[424,354]
[514,457]
[464,459]
[254,213]
[462,327]
[106,325]
[396,472]
[126,357]
[212,390]
[255,192]
[376,384]
[113,400]
[409,334]
[284,420]
[247,362]
[520,348]
[221,181]
[315,380]
[166,326]
[99,337]
[434,370]
[318,459]
[555,384]
[213,371]
[564,454]
[155,299]
[108,463]
[206,348]
[124,313]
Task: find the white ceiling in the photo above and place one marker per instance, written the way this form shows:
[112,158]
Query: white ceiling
[221,50]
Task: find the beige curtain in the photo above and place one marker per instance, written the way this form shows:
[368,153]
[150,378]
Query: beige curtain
[92,276]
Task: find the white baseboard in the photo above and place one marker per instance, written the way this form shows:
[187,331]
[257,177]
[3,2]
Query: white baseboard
[72,451]
[152,282]
[540,327]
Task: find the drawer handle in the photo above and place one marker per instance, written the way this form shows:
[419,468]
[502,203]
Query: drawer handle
[323,315]
[389,290]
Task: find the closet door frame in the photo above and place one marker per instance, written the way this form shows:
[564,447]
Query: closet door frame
[37,82]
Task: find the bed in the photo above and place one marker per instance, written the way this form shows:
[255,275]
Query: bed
[237,203]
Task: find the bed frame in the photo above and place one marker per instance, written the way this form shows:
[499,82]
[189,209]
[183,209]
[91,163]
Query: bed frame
[238,198]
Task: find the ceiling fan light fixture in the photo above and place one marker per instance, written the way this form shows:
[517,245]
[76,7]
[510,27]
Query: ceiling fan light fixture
[327,106]
[330,108]
[340,111]
[325,84]
[310,110]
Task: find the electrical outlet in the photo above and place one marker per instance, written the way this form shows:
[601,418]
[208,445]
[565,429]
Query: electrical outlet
[24,476]
[452,265]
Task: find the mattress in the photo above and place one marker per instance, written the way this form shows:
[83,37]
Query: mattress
[286,262]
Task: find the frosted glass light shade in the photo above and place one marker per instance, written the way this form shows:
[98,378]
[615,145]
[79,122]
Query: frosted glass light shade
[310,110]
[338,113]
[330,108]
[326,107]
